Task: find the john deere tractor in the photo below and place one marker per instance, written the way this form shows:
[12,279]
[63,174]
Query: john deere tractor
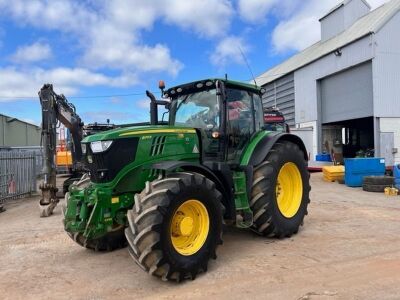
[166,189]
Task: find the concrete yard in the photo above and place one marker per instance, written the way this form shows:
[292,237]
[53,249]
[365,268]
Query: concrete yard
[349,248]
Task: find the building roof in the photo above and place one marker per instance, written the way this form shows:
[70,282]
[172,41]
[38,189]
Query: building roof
[333,9]
[12,119]
[370,23]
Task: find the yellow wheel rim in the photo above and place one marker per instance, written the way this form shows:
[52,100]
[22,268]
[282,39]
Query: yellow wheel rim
[189,227]
[289,190]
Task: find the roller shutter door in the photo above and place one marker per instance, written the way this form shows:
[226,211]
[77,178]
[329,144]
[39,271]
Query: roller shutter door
[347,95]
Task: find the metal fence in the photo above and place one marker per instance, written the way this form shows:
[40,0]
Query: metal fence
[18,172]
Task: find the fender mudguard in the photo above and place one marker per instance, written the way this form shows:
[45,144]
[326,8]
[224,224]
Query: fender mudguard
[221,183]
[264,146]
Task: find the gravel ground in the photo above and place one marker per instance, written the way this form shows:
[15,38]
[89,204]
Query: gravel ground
[349,248]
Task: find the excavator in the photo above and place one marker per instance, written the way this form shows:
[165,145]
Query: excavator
[56,109]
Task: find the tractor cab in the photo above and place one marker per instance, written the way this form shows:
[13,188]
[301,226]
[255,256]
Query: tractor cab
[226,113]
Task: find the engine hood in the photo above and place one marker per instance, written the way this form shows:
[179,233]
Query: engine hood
[137,131]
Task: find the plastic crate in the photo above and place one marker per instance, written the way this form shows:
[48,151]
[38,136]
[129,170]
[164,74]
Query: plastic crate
[358,168]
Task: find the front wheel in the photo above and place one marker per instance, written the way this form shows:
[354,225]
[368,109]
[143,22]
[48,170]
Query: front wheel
[175,226]
[280,192]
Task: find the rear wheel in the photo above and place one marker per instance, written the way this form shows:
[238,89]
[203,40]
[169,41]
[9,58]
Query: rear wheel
[175,226]
[280,191]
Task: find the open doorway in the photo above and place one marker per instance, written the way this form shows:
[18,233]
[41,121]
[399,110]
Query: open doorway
[349,138]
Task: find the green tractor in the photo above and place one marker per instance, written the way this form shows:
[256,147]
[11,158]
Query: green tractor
[166,189]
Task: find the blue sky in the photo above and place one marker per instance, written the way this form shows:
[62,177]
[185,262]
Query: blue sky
[108,49]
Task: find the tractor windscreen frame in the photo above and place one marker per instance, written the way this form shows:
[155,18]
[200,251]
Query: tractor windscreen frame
[207,93]
[209,121]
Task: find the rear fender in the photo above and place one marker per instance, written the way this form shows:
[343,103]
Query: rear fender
[264,146]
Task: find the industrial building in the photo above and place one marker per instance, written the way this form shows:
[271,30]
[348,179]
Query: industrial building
[17,133]
[344,91]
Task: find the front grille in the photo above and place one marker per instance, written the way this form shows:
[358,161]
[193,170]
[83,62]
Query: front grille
[104,166]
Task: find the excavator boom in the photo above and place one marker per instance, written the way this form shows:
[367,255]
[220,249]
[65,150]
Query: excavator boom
[56,108]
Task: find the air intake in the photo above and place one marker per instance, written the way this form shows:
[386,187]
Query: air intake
[157,145]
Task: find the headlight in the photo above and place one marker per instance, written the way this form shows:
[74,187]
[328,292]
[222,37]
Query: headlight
[100,146]
[83,146]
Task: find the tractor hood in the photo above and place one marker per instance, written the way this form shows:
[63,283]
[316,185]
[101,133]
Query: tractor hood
[137,131]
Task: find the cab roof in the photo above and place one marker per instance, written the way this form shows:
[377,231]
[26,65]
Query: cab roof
[229,83]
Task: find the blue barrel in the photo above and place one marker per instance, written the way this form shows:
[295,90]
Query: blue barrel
[396,174]
[357,168]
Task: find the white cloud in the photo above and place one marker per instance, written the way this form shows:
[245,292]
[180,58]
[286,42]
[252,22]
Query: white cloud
[302,28]
[254,11]
[109,38]
[207,17]
[229,50]
[118,49]
[26,83]
[56,14]
[109,33]
[32,53]
[105,35]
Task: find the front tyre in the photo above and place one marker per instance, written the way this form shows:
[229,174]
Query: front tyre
[175,226]
[280,192]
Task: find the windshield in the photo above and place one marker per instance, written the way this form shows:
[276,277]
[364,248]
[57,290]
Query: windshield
[197,110]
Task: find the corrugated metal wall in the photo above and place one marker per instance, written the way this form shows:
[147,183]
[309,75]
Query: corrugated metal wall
[280,93]
[386,66]
[16,133]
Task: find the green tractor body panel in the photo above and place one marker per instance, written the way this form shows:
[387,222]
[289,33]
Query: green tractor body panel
[101,207]
[245,159]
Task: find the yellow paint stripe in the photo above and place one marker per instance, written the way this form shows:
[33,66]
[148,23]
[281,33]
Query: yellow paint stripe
[155,131]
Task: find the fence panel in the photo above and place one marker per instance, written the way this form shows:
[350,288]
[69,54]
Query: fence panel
[18,173]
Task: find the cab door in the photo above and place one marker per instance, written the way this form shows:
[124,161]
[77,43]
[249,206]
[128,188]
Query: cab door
[244,119]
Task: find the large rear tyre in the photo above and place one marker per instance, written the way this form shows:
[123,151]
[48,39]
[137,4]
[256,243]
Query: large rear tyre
[175,226]
[280,191]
